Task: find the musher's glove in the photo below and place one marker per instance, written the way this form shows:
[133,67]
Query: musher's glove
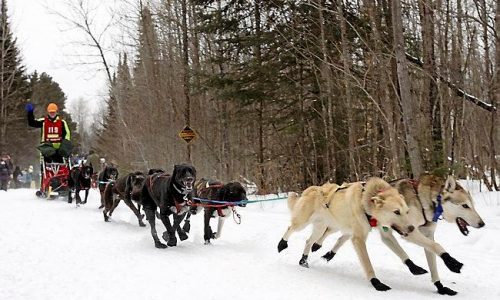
[29,107]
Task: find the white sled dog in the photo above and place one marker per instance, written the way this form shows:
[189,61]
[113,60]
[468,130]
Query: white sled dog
[354,209]
[423,198]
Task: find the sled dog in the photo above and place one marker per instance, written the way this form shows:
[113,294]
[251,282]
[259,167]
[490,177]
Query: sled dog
[353,209]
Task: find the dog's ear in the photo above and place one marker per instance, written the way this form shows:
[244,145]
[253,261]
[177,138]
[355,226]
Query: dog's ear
[378,201]
[450,184]
[176,168]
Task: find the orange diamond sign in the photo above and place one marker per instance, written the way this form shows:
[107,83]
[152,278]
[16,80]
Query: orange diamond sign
[187,134]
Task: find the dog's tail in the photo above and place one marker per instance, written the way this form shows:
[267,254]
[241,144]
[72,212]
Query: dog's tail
[292,199]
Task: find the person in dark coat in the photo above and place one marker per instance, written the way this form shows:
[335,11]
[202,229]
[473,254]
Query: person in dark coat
[5,172]
[16,176]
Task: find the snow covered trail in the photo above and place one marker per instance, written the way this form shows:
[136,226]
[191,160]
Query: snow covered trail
[50,249]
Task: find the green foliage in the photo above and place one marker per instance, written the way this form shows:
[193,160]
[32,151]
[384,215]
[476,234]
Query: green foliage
[14,85]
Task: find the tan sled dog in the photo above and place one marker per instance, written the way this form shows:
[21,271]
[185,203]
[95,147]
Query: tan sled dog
[353,210]
[422,198]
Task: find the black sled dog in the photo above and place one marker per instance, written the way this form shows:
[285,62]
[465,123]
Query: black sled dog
[109,174]
[80,179]
[218,191]
[127,188]
[169,193]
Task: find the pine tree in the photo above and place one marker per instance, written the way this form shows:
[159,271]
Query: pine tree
[13,90]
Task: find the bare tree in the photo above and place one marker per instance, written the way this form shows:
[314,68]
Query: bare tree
[408,104]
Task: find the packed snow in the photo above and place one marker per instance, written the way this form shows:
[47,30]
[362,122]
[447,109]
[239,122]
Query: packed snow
[50,249]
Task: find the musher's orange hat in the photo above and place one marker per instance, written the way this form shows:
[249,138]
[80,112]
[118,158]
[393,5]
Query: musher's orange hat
[52,107]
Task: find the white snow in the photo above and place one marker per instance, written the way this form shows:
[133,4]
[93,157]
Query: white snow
[50,249]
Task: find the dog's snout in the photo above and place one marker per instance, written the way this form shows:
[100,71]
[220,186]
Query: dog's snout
[481,224]
[411,228]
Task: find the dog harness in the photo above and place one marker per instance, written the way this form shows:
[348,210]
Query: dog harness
[209,185]
[438,209]
[179,206]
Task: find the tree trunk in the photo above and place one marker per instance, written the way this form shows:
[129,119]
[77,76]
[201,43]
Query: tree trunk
[433,104]
[383,87]
[186,78]
[346,61]
[495,97]
[408,104]
[326,92]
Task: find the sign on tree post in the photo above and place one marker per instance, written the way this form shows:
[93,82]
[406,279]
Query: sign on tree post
[187,134]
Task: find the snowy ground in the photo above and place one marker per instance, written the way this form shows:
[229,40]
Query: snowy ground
[50,249]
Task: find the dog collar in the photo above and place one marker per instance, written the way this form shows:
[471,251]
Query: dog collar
[183,191]
[373,222]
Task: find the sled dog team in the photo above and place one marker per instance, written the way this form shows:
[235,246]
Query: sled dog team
[411,208]
[170,194]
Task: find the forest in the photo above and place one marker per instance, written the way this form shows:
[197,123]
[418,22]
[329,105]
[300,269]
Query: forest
[284,93]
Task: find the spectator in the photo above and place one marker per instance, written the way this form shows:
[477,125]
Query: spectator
[17,176]
[6,157]
[29,178]
[5,172]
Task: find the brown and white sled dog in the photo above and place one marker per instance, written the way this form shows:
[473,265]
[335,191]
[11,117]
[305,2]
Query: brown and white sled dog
[422,199]
[353,210]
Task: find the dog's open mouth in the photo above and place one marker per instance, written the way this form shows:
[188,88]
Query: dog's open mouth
[462,225]
[401,233]
[188,185]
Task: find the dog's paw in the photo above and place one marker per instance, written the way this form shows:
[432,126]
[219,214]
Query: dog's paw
[207,242]
[379,286]
[160,245]
[328,256]
[282,245]
[172,241]
[315,247]
[444,290]
[187,226]
[303,262]
[141,223]
[102,206]
[452,264]
[414,269]
[182,235]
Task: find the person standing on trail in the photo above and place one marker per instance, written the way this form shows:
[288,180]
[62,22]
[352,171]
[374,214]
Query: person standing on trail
[5,171]
[16,175]
[56,136]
